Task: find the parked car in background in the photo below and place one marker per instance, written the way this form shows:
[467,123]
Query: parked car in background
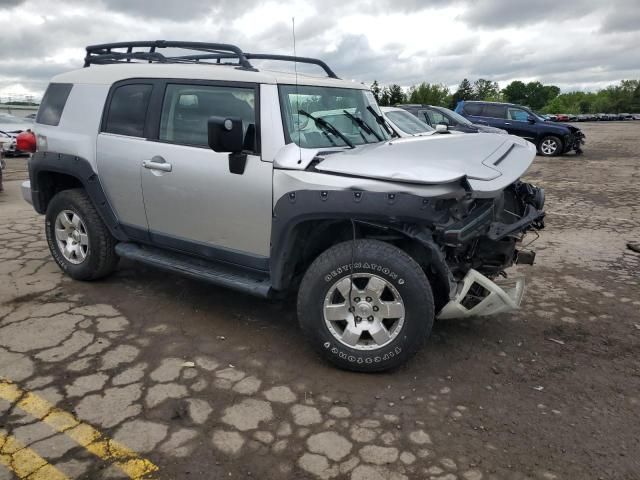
[13,124]
[562,117]
[434,115]
[625,116]
[404,124]
[550,118]
[550,139]
[7,144]
[636,116]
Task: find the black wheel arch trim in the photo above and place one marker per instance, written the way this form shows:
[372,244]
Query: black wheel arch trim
[79,168]
[405,213]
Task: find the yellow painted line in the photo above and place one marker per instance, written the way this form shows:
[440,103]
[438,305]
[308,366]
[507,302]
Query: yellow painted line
[26,463]
[82,433]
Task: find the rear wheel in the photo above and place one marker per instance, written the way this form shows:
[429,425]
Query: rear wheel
[79,241]
[368,315]
[550,146]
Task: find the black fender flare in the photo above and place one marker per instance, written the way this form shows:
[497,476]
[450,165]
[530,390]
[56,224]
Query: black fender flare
[79,168]
[405,213]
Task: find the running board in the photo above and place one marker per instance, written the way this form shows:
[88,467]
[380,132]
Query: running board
[215,273]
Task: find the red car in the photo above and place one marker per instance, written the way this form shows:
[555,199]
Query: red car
[562,117]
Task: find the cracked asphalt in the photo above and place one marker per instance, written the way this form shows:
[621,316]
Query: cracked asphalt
[150,375]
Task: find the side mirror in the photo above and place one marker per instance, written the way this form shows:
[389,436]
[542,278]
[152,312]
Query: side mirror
[225,134]
[442,128]
[531,119]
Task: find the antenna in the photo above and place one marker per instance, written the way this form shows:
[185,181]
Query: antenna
[295,69]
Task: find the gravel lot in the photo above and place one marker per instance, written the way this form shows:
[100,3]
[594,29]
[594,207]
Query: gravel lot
[206,383]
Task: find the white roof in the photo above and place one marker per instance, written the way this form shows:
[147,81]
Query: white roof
[108,74]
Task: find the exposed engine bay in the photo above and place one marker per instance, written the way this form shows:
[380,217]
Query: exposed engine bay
[487,233]
[484,243]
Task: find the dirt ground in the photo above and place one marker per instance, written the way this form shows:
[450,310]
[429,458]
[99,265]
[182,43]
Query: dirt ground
[550,392]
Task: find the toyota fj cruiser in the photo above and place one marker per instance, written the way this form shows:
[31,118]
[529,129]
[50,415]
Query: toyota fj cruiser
[274,183]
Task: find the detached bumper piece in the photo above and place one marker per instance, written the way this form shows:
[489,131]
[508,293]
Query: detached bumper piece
[479,296]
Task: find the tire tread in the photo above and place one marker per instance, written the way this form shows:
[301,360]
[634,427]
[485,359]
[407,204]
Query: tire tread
[107,259]
[377,249]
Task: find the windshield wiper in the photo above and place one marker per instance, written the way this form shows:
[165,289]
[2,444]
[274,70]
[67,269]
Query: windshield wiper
[322,123]
[362,124]
[380,119]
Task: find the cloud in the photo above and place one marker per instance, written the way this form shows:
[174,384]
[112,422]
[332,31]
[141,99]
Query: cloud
[176,11]
[501,14]
[392,41]
[6,4]
[622,18]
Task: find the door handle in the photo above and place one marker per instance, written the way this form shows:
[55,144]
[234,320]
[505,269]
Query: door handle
[507,123]
[157,163]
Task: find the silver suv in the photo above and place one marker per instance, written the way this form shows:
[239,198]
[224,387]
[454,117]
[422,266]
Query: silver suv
[274,183]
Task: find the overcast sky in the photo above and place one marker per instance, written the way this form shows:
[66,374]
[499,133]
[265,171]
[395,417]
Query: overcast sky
[575,44]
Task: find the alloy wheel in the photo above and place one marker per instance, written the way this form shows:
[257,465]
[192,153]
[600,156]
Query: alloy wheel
[364,311]
[71,237]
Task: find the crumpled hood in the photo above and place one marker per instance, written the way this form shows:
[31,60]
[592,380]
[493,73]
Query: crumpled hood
[435,159]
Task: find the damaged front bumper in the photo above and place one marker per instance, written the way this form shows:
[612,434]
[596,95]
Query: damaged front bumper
[574,141]
[483,244]
[479,296]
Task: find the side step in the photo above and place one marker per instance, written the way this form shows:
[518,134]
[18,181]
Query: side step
[216,273]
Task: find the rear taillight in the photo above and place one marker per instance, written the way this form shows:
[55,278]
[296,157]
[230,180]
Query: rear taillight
[41,143]
[26,141]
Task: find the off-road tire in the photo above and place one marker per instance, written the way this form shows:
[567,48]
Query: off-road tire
[542,150]
[385,261]
[101,257]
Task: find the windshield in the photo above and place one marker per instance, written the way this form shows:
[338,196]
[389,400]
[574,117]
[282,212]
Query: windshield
[320,117]
[456,116]
[407,122]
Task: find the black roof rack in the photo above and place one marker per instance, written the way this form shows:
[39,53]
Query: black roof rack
[212,53]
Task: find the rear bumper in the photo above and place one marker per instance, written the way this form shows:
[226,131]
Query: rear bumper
[25,188]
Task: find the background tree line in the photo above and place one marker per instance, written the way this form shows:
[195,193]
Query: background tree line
[623,97]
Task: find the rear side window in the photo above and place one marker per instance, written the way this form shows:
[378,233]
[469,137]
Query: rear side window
[493,111]
[53,103]
[472,108]
[128,110]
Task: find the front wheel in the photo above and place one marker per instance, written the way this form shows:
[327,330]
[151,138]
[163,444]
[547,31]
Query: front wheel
[550,146]
[369,314]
